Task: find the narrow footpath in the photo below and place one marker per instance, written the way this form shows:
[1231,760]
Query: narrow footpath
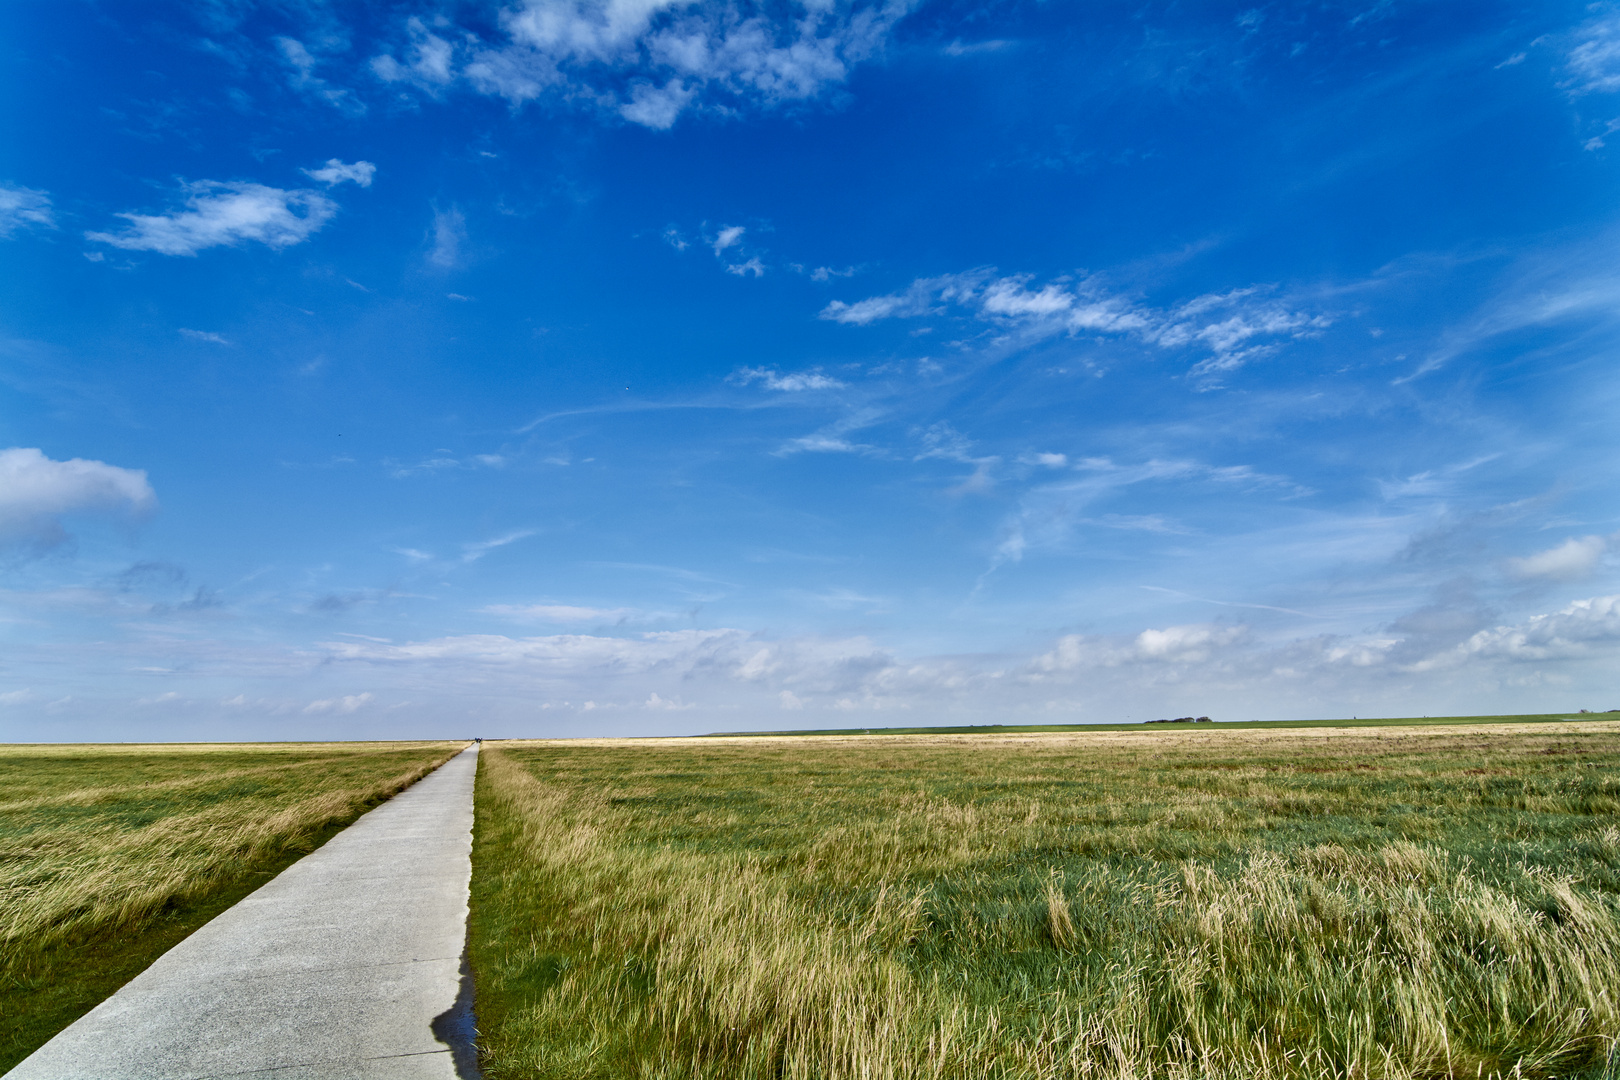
[346,966]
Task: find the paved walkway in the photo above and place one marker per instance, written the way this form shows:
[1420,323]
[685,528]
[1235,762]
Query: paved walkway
[347,966]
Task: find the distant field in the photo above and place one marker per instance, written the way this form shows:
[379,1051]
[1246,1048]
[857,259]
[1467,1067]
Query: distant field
[111,854]
[1229,725]
[1389,902]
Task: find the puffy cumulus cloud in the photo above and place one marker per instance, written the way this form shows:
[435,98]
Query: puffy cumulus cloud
[226,214]
[790,383]
[1582,629]
[336,172]
[648,61]
[1213,655]
[24,208]
[1232,327]
[1572,560]
[1174,645]
[37,492]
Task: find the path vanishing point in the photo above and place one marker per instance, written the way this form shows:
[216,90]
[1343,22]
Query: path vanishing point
[347,966]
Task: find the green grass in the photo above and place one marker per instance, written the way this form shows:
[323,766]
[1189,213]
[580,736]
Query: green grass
[1329,902]
[109,855]
[1228,725]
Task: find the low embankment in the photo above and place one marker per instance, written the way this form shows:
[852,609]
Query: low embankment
[1399,902]
[111,854]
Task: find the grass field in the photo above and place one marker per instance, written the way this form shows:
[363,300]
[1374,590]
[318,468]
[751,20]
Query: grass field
[111,854]
[1383,902]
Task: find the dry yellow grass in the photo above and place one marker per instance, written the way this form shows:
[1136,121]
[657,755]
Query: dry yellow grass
[1388,903]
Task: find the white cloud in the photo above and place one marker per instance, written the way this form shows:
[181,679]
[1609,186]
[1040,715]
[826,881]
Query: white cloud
[449,234]
[791,383]
[1572,560]
[751,266]
[475,551]
[1195,644]
[36,492]
[24,208]
[1211,656]
[648,61]
[1563,285]
[347,704]
[203,335]
[960,48]
[335,172]
[1594,63]
[1581,629]
[428,60]
[1233,327]
[727,237]
[1048,513]
[562,613]
[219,214]
[303,78]
[592,664]
[657,107]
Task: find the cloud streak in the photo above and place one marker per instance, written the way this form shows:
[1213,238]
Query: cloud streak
[1233,327]
[24,208]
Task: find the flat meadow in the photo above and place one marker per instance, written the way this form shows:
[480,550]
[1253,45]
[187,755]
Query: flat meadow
[111,854]
[1334,902]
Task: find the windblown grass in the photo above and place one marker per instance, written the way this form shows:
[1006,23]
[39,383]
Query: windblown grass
[1403,902]
[111,854]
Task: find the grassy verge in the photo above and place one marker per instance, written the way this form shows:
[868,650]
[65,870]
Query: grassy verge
[111,854]
[1396,902]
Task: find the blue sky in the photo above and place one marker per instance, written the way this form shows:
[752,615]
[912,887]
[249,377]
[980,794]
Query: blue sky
[567,368]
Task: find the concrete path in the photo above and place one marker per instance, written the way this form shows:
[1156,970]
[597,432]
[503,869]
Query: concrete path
[347,966]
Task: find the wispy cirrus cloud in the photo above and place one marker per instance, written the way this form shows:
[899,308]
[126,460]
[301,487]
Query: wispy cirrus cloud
[1049,512]
[204,335]
[476,550]
[24,208]
[302,65]
[649,61]
[448,238]
[1594,60]
[218,213]
[564,613]
[1233,327]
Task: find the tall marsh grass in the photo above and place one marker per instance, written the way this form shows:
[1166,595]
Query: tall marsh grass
[1173,905]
